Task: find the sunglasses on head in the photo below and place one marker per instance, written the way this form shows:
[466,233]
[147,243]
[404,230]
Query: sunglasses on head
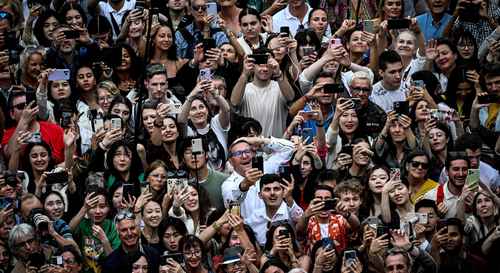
[125,215]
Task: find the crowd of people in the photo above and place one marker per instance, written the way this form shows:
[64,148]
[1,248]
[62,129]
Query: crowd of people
[249,136]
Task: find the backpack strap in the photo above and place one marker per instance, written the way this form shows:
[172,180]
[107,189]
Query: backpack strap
[440,194]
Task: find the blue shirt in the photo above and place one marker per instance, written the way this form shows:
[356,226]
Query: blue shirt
[429,28]
[185,47]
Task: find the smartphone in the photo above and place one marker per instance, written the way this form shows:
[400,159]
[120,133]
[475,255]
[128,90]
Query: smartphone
[285,172]
[36,259]
[208,44]
[472,179]
[308,114]
[206,74]
[56,260]
[176,107]
[176,256]
[335,42]
[116,123]
[128,190]
[98,124]
[346,149]
[285,31]
[350,256]
[71,34]
[330,204]
[381,230]
[307,50]
[423,218]
[489,98]
[258,163]
[6,202]
[419,84]
[401,107]
[212,9]
[368,26]
[59,75]
[196,145]
[30,97]
[180,183]
[395,174]
[333,88]
[398,23]
[235,208]
[372,222]
[35,138]
[327,244]
[260,58]
[66,119]
[284,233]
[57,178]
[442,223]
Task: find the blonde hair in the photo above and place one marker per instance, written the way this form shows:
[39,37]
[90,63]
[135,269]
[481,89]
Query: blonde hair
[110,87]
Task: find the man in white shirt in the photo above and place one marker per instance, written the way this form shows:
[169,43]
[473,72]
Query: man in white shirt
[265,98]
[388,90]
[243,184]
[278,206]
[114,10]
[295,14]
[448,196]
[472,143]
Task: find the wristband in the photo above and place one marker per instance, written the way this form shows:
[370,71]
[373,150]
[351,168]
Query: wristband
[216,226]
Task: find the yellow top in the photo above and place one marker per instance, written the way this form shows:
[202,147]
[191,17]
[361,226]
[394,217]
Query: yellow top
[428,185]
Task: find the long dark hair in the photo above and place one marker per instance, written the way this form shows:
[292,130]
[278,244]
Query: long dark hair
[171,52]
[270,235]
[135,164]
[26,163]
[38,28]
[310,182]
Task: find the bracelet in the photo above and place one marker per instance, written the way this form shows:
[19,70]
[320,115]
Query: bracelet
[216,226]
[320,124]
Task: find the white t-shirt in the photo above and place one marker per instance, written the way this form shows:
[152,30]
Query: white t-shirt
[385,98]
[268,106]
[107,11]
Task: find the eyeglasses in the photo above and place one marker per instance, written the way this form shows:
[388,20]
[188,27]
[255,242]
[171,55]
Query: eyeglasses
[20,106]
[124,215]
[361,90]
[196,252]
[197,8]
[241,153]
[416,164]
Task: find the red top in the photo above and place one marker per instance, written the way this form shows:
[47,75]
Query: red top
[51,133]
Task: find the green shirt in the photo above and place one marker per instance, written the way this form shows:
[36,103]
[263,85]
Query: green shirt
[91,247]
[213,185]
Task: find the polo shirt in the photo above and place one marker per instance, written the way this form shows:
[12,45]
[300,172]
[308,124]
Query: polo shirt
[450,200]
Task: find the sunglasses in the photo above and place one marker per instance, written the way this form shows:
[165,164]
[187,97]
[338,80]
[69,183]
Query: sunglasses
[20,106]
[361,90]
[124,215]
[416,164]
[197,8]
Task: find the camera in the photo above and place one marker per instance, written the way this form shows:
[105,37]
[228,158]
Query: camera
[40,220]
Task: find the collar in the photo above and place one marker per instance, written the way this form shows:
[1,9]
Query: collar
[290,16]
[447,193]
[281,213]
